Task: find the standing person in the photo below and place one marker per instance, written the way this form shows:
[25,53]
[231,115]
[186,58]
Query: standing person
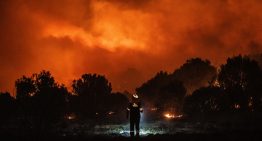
[134,109]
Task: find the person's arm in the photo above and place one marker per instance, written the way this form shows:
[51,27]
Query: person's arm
[140,107]
[128,111]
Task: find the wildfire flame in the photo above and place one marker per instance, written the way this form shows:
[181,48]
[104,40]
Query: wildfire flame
[169,116]
[172,116]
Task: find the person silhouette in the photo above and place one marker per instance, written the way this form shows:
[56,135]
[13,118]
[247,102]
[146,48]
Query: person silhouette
[133,111]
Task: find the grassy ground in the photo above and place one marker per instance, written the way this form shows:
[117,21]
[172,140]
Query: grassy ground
[189,130]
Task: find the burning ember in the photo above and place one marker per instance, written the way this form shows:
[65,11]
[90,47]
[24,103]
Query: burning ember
[111,113]
[172,116]
[169,116]
[70,116]
[237,106]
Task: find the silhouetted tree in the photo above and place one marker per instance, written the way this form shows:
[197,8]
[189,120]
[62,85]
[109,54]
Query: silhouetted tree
[48,91]
[7,106]
[195,73]
[25,90]
[163,91]
[41,97]
[92,91]
[205,101]
[241,78]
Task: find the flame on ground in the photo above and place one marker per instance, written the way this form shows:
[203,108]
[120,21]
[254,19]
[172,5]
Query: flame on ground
[169,116]
[172,116]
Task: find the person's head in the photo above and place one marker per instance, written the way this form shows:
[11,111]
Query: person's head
[135,97]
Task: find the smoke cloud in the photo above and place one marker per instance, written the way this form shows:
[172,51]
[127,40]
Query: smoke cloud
[128,41]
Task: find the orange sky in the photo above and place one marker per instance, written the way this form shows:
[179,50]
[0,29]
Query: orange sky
[126,40]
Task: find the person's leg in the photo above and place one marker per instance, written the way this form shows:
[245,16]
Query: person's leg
[137,126]
[132,124]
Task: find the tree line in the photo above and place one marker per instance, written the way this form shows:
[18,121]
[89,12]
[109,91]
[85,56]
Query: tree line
[198,88]
[41,101]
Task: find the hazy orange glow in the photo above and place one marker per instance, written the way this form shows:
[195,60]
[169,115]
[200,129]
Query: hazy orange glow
[126,40]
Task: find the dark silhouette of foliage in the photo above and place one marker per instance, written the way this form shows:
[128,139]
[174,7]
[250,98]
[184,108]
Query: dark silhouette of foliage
[163,91]
[49,91]
[241,78]
[25,88]
[117,104]
[41,98]
[92,91]
[195,73]
[204,101]
[7,105]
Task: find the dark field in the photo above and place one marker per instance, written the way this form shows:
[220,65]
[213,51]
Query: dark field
[181,130]
[230,136]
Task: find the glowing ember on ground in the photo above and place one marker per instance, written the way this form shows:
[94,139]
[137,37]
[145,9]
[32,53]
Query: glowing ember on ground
[169,116]
[172,116]
[237,106]
[70,117]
